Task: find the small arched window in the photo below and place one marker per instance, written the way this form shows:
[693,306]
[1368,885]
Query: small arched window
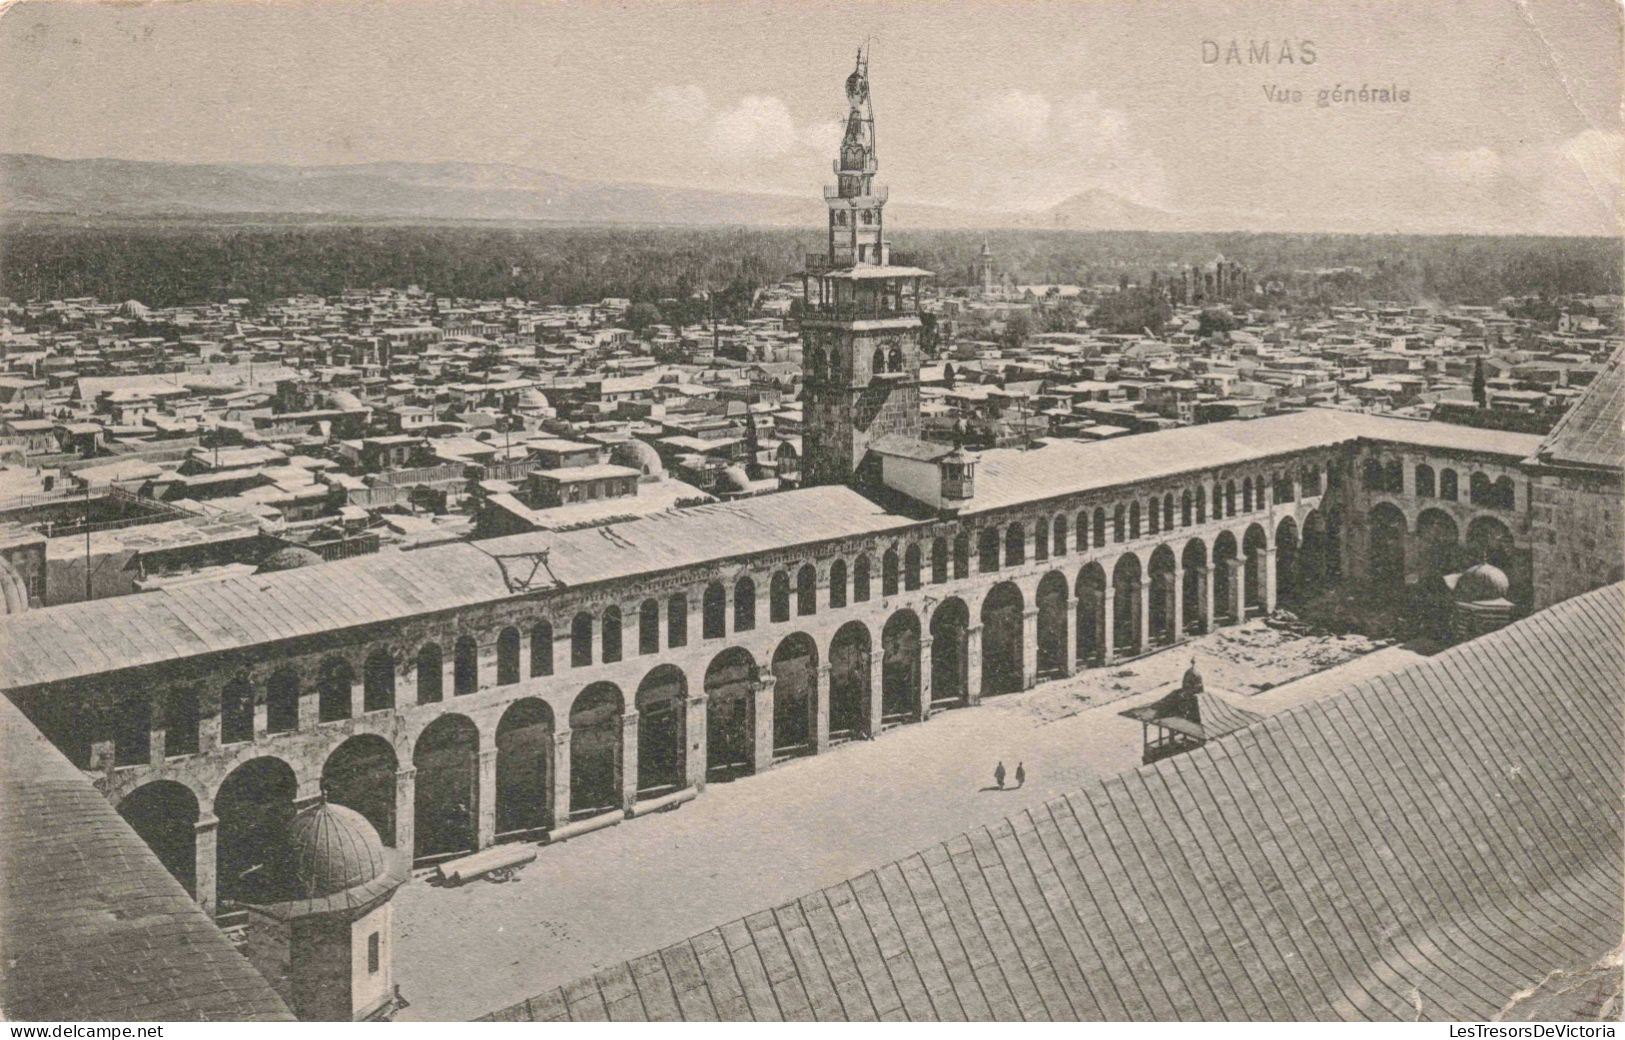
[744,605]
[778,597]
[860,580]
[611,636]
[465,666]
[837,583]
[581,640]
[714,611]
[888,573]
[541,649]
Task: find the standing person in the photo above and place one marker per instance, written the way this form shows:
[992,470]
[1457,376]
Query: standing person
[998,775]
[1021,775]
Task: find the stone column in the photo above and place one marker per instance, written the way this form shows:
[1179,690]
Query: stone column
[973,664]
[157,737]
[1268,563]
[561,778]
[1177,608]
[1205,581]
[877,692]
[925,680]
[406,789]
[358,699]
[485,797]
[1142,593]
[1236,594]
[205,837]
[208,723]
[262,719]
[1029,648]
[762,718]
[629,758]
[694,756]
[1108,623]
[1069,629]
[821,711]
[309,708]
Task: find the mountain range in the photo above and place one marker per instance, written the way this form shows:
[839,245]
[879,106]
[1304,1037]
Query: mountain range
[39,185]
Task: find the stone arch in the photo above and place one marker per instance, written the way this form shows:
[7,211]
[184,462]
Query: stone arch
[961,555]
[1058,534]
[164,814]
[1090,588]
[1229,498]
[360,774]
[676,620]
[730,717]
[1226,578]
[1015,545]
[1053,651]
[236,713]
[1119,523]
[778,597]
[334,678]
[714,611]
[1386,535]
[1288,579]
[987,550]
[950,653]
[1098,534]
[1126,581]
[378,679]
[1134,519]
[837,584]
[1185,506]
[524,743]
[860,579]
[1192,563]
[939,560]
[888,572]
[1503,493]
[1153,516]
[795,695]
[1314,571]
[1160,613]
[1040,540]
[900,667]
[649,626]
[254,805]
[595,749]
[806,590]
[911,567]
[1247,494]
[744,604]
[1254,545]
[1002,643]
[1438,543]
[1426,487]
[662,703]
[282,701]
[465,665]
[1490,541]
[1449,485]
[446,791]
[609,635]
[849,680]
[431,674]
[1168,511]
[508,656]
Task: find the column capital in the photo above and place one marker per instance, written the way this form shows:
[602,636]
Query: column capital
[409,773]
[487,755]
[698,698]
[629,719]
[561,738]
[205,824]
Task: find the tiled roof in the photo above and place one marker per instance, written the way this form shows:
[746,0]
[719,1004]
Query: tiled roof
[1592,431]
[1425,844]
[92,927]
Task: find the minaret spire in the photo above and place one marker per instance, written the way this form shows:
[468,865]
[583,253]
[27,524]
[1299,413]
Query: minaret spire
[856,227]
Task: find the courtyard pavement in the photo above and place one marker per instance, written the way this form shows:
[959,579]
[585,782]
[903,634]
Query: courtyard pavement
[811,822]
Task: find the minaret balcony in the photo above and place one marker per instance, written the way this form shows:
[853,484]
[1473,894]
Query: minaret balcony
[876,196]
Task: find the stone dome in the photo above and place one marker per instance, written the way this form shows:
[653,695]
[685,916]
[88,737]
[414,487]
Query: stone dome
[287,559]
[333,849]
[734,478]
[533,400]
[636,454]
[1480,583]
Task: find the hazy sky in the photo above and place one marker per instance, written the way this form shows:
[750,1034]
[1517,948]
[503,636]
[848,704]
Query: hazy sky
[1512,121]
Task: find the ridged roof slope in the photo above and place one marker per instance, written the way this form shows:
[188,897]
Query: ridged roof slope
[1592,432]
[1425,844]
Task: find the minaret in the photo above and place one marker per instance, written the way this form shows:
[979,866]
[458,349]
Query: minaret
[860,329]
[984,267]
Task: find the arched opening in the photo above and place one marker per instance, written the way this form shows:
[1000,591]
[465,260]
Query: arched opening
[507,656]
[987,550]
[1090,588]
[1126,580]
[795,695]
[236,715]
[1490,541]
[900,667]
[524,760]
[1385,544]
[282,701]
[446,794]
[1438,544]
[1058,536]
[1479,491]
[939,560]
[1503,494]
[1449,488]
[254,806]
[1247,495]
[378,679]
[182,717]
[581,640]
[662,701]
[961,556]
[1002,639]
[595,749]
[1393,477]
[1168,511]
[1052,641]
[1163,589]
[730,687]
[1099,524]
[911,567]
[849,679]
[465,666]
[888,572]
[806,590]
[1192,560]
[333,684]
[1185,508]
[676,620]
[649,626]
[1040,541]
[1229,498]
[164,814]
[714,611]
[860,579]
[1225,578]
[778,597]
[1288,583]
[1312,572]
[837,584]
[360,774]
[431,674]
[610,636]
[1153,517]
[950,654]
[1254,544]
[1126,525]
[1425,487]
[744,605]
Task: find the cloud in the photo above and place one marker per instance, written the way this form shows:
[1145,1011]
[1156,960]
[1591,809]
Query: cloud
[756,127]
[684,105]
[1568,186]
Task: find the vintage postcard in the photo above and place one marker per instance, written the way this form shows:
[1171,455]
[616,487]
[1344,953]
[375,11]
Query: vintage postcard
[755,510]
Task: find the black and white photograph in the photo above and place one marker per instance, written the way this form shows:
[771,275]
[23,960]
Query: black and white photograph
[549,511]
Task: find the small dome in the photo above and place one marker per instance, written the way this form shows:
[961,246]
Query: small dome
[636,454]
[344,401]
[1480,583]
[533,399]
[1192,683]
[333,849]
[734,478]
[286,559]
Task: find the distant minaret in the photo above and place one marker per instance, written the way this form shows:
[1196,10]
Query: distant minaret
[984,268]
